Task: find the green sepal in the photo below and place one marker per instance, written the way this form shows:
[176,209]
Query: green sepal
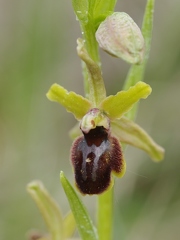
[117,105]
[84,224]
[74,103]
[130,133]
[69,225]
[81,9]
[48,208]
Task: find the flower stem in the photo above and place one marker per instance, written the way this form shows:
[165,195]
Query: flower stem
[105,215]
[105,200]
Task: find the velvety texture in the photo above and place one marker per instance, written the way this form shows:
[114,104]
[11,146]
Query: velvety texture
[94,156]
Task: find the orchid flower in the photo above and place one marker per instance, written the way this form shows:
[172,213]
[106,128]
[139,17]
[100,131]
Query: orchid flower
[96,153]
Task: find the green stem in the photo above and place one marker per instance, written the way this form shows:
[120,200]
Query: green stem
[105,201]
[105,215]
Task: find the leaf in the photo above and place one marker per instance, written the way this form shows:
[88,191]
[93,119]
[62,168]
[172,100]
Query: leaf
[129,132]
[136,72]
[69,225]
[48,208]
[84,224]
[117,105]
[74,103]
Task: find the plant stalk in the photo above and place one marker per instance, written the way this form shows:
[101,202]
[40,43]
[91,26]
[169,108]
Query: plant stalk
[105,200]
[105,215]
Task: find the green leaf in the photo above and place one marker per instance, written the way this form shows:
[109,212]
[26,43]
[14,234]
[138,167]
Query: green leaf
[48,208]
[130,133]
[69,225]
[74,103]
[117,105]
[136,72]
[97,91]
[84,224]
[81,10]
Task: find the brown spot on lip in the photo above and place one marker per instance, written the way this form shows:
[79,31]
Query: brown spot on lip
[93,123]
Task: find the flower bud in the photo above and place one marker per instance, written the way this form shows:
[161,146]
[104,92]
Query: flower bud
[120,36]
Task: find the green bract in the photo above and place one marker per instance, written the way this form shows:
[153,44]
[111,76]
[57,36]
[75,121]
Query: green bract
[97,91]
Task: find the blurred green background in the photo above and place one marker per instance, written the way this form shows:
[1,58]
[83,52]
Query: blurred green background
[38,48]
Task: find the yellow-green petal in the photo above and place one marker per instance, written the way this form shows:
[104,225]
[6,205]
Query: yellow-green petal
[115,106]
[130,133]
[74,103]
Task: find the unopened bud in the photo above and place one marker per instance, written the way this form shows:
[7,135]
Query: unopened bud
[120,36]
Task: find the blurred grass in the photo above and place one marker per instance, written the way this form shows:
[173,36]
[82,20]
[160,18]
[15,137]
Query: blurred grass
[38,48]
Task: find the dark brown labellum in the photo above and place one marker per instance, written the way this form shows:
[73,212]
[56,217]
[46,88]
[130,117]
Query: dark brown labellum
[94,156]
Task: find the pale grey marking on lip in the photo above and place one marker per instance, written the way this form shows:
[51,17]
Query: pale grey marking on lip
[99,151]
